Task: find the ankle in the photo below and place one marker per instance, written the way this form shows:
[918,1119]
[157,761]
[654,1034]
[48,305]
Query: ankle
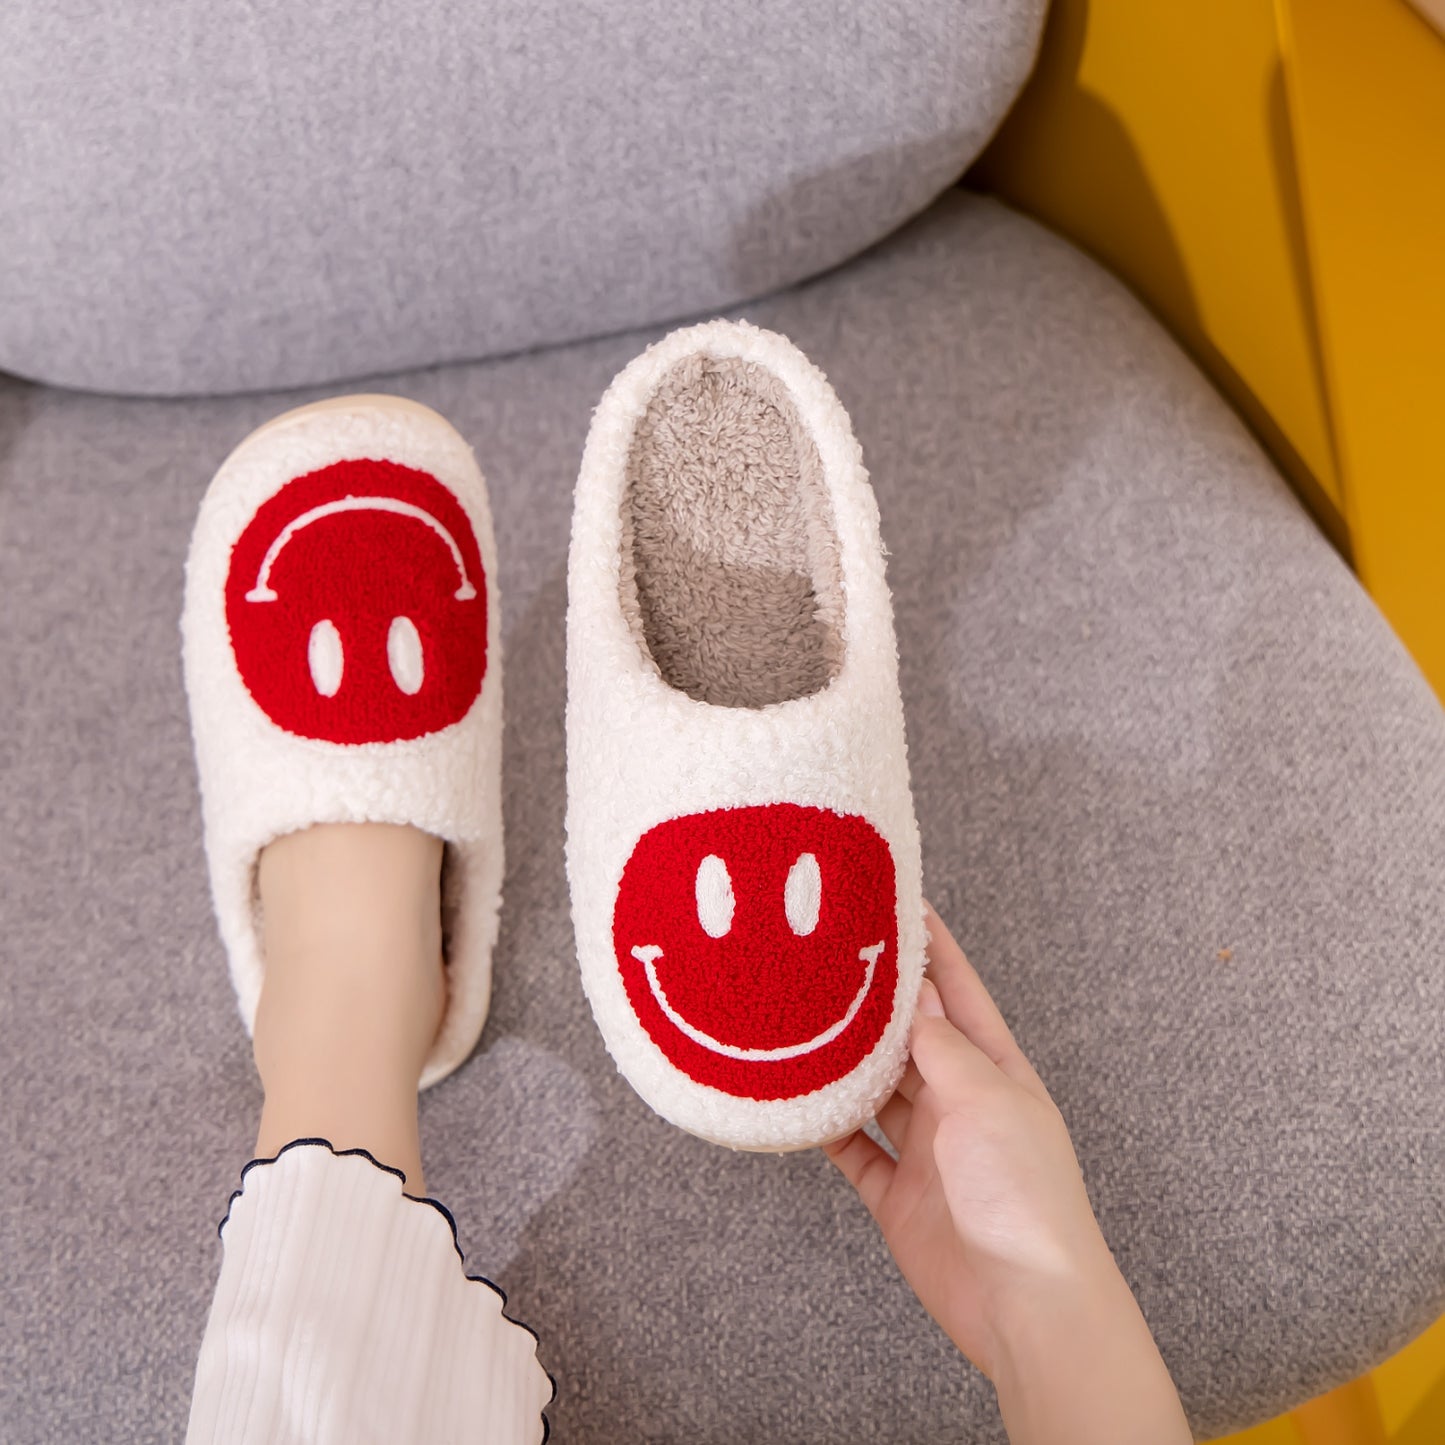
[385,1126]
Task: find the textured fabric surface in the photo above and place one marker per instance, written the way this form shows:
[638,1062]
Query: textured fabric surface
[729,560]
[277,195]
[343,1314]
[1151,719]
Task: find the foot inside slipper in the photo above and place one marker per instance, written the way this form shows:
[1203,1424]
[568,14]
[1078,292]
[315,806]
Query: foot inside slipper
[342,664]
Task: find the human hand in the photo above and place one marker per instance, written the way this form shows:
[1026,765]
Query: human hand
[987,1216]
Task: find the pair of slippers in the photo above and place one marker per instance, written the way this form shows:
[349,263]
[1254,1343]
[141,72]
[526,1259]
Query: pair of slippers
[741,844]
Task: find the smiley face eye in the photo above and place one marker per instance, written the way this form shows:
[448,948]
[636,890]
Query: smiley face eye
[803,895]
[403,655]
[323,656]
[715,901]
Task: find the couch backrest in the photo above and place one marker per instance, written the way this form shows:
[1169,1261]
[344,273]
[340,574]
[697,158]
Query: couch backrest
[267,194]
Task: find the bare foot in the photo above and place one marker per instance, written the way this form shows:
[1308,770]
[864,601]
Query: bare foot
[354,989]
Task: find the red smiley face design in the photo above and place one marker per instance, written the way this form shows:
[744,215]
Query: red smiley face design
[357,605]
[759,946]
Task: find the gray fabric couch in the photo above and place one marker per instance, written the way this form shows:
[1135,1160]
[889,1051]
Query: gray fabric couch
[1182,793]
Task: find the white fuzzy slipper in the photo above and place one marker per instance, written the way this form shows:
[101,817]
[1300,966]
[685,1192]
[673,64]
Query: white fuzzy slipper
[741,843]
[341,639]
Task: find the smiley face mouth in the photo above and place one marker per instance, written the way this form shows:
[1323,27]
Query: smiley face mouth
[648,954]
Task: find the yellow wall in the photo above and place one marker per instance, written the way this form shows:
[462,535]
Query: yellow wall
[1367,100]
[1270,178]
[1157,137]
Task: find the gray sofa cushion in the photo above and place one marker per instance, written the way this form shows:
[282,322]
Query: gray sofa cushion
[1151,717]
[276,194]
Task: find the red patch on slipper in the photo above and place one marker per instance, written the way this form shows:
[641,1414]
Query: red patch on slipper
[758,946]
[357,605]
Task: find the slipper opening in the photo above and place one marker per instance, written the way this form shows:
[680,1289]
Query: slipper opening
[731,575]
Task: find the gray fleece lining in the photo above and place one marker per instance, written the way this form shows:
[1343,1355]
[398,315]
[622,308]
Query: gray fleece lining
[730,571]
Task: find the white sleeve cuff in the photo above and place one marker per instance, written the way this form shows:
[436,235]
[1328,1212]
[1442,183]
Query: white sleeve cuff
[343,1315]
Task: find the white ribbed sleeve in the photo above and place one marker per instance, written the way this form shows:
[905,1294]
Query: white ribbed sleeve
[343,1315]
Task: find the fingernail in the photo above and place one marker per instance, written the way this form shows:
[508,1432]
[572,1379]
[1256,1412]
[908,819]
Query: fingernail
[929,1002]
